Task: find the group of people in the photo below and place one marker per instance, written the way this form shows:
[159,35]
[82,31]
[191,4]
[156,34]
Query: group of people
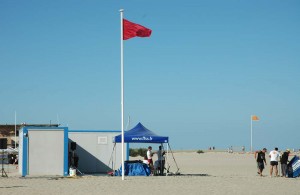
[275,159]
[159,165]
[230,149]
[211,148]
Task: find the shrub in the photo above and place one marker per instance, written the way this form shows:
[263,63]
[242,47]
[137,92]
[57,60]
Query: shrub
[137,151]
[133,152]
[142,151]
[200,151]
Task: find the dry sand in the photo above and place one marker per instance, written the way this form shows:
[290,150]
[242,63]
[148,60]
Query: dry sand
[208,173]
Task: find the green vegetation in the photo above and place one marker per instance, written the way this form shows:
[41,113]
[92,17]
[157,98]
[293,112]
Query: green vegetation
[137,152]
[200,151]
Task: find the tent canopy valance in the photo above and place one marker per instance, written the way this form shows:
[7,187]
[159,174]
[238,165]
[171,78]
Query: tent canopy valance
[140,134]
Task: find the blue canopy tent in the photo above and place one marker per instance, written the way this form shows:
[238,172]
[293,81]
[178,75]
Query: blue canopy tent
[140,134]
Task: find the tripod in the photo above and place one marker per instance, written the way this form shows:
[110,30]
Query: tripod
[2,170]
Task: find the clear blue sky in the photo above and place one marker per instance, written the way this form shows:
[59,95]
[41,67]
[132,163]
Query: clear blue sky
[206,68]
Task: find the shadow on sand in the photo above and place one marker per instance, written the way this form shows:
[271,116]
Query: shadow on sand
[193,174]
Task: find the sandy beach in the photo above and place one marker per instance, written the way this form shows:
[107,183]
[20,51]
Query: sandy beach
[207,173]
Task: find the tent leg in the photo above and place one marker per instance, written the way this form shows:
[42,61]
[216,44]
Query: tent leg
[174,159]
[112,157]
[162,161]
[167,160]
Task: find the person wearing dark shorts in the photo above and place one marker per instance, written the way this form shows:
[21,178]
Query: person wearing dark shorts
[273,163]
[274,156]
[260,157]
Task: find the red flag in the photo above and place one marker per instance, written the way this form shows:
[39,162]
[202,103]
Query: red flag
[131,30]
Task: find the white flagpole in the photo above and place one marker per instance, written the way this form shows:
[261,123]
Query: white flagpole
[251,134]
[15,129]
[122,95]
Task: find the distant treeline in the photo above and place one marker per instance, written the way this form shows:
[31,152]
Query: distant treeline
[137,152]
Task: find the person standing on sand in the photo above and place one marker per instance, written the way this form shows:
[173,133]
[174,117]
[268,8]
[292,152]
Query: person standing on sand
[283,161]
[274,156]
[149,156]
[260,157]
[161,159]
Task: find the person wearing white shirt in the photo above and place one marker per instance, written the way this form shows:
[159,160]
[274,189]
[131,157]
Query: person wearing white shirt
[149,156]
[274,157]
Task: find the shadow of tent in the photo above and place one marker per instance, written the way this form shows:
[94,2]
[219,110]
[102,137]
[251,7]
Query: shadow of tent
[89,163]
